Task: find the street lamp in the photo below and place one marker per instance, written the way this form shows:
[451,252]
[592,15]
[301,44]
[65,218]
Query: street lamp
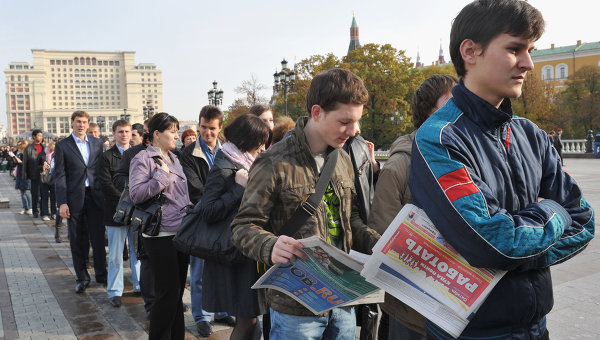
[148,110]
[125,116]
[284,80]
[101,123]
[215,97]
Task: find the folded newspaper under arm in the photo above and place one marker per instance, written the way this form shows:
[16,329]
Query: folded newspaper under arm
[413,263]
[328,278]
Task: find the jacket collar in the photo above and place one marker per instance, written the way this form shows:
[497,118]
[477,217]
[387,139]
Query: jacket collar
[302,143]
[197,152]
[480,111]
[152,152]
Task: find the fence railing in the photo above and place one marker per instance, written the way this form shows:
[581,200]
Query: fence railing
[574,145]
[569,145]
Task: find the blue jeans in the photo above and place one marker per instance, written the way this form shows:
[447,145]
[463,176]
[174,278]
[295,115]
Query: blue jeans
[116,243]
[196,269]
[26,199]
[339,324]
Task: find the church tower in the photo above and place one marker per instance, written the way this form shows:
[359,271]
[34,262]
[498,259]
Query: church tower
[441,59]
[354,43]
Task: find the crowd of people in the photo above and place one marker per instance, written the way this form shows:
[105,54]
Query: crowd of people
[491,182]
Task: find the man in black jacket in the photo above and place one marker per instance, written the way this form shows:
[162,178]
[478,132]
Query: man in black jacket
[34,157]
[196,159]
[117,233]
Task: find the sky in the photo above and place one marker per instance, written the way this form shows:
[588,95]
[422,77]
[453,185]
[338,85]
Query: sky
[196,42]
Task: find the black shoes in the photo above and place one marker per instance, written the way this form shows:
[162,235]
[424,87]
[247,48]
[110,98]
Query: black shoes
[81,286]
[101,281]
[228,320]
[115,301]
[36,215]
[204,329]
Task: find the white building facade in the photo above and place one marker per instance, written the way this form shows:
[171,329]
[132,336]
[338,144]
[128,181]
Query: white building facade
[107,85]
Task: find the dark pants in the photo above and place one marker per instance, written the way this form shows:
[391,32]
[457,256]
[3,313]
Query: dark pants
[168,267]
[86,227]
[147,284]
[35,195]
[47,194]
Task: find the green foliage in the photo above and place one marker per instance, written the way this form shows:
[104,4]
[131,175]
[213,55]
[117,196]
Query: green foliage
[537,103]
[580,102]
[390,79]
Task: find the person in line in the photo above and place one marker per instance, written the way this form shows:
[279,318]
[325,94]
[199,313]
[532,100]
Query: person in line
[121,180]
[137,134]
[188,137]
[23,184]
[283,125]
[263,112]
[227,288]
[47,193]
[33,164]
[117,233]
[196,160]
[491,182]
[167,265]
[282,178]
[392,193]
[93,130]
[79,196]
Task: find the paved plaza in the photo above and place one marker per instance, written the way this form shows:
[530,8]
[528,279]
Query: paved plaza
[37,298]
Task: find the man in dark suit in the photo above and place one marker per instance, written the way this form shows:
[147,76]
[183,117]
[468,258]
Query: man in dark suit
[79,196]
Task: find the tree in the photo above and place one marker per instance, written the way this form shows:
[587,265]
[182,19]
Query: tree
[390,78]
[305,70]
[252,90]
[537,103]
[236,109]
[580,101]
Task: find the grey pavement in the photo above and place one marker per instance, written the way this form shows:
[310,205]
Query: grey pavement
[37,299]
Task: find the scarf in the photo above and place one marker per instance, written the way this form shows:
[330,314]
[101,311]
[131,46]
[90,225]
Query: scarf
[242,158]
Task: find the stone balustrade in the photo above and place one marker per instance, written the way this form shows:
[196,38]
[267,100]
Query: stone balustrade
[569,146]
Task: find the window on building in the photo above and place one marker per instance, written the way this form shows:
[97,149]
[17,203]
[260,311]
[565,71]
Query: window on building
[547,72]
[563,71]
[64,124]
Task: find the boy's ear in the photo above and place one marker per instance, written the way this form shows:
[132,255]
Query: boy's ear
[316,112]
[469,51]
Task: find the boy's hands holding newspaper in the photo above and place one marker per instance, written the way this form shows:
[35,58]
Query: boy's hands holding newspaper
[285,249]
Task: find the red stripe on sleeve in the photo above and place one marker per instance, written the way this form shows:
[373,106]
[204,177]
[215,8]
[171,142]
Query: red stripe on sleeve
[457,184]
[461,191]
[453,178]
[507,138]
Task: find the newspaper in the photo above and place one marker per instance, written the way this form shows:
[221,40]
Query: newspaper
[326,279]
[413,263]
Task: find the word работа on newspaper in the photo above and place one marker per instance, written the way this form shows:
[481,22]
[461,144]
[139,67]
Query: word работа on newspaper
[413,262]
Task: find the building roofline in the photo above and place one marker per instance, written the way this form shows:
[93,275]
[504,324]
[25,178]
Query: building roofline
[78,51]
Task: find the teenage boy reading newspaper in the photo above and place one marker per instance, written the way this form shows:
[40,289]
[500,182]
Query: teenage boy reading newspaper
[283,177]
[491,182]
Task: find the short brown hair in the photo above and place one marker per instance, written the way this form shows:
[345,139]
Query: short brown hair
[80,114]
[259,109]
[283,125]
[210,112]
[483,20]
[120,122]
[335,86]
[427,95]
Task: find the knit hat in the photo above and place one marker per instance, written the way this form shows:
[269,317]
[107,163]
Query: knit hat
[188,132]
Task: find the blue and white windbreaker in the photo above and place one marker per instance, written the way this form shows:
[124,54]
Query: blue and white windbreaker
[478,172]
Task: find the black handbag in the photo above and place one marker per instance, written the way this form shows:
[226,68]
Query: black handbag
[146,217]
[208,241]
[124,208]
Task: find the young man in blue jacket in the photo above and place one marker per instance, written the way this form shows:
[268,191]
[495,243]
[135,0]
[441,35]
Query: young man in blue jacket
[492,182]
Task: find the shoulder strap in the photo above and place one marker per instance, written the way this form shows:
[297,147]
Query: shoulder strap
[309,207]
